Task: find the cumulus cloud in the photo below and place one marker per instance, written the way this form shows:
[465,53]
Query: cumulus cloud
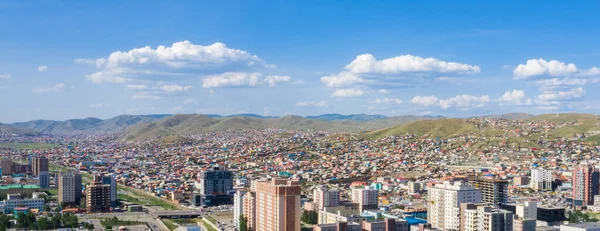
[344,78]
[242,79]
[425,100]
[464,102]
[175,88]
[383,91]
[5,76]
[321,103]
[516,97]
[273,80]
[367,63]
[181,58]
[54,88]
[145,95]
[85,61]
[42,68]
[541,67]
[574,93]
[232,79]
[550,84]
[348,92]
[387,100]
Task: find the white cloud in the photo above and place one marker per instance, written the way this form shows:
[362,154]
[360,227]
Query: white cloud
[541,67]
[425,113]
[464,101]
[103,77]
[425,100]
[383,91]
[242,79]
[347,93]
[175,88]
[321,103]
[273,80]
[549,84]
[99,105]
[516,97]
[177,109]
[574,93]
[366,63]
[232,79]
[136,87]
[388,100]
[54,88]
[180,59]
[344,78]
[145,95]
[42,68]
[5,76]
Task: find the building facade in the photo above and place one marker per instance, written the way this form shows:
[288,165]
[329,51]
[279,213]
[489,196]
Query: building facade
[324,197]
[7,166]
[110,180]
[215,181]
[39,164]
[445,200]
[44,180]
[541,179]
[69,188]
[493,191]
[366,198]
[238,205]
[586,185]
[274,205]
[97,196]
[479,217]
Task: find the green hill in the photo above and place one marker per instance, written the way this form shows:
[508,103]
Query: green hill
[564,117]
[437,128]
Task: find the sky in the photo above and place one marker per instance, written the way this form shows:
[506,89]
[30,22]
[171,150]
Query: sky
[75,59]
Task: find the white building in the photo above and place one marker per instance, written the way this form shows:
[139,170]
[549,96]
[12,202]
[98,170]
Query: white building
[445,200]
[13,202]
[527,210]
[366,198]
[480,217]
[323,197]
[590,226]
[414,187]
[238,205]
[541,179]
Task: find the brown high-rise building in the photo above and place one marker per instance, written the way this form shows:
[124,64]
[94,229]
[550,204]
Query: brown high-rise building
[273,205]
[97,196]
[40,164]
[7,166]
[69,188]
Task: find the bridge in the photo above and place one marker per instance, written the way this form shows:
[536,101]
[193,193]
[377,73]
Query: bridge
[178,213]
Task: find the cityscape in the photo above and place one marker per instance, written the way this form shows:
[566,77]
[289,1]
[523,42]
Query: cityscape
[236,116]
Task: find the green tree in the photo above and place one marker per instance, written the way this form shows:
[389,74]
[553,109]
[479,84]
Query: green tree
[70,220]
[4,222]
[55,221]
[22,221]
[31,221]
[243,223]
[43,223]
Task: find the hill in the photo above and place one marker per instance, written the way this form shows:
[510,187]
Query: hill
[355,117]
[8,129]
[564,117]
[115,124]
[511,116]
[437,128]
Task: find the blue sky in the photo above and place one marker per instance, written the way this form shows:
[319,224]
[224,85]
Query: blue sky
[75,59]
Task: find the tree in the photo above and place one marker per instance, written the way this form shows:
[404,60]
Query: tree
[55,221]
[43,223]
[4,222]
[243,223]
[22,221]
[70,220]
[31,221]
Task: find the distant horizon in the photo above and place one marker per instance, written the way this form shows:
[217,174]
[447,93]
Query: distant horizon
[274,116]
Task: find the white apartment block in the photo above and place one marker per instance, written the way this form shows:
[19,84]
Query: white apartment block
[238,205]
[541,179]
[480,217]
[323,197]
[445,200]
[527,210]
[366,198]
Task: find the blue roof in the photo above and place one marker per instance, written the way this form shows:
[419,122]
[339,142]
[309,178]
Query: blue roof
[414,221]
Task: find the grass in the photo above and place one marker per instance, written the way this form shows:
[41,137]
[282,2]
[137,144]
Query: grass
[145,199]
[208,226]
[52,192]
[211,219]
[185,221]
[437,128]
[115,222]
[28,145]
[172,226]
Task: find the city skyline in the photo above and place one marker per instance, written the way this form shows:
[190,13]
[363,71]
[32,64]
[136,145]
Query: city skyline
[309,58]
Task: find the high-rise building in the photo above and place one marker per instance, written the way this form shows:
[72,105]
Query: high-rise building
[238,205]
[273,206]
[414,187]
[324,197]
[585,184]
[40,164]
[476,217]
[110,180]
[7,166]
[97,196]
[541,179]
[366,198]
[493,191]
[445,200]
[44,180]
[215,181]
[69,187]
[520,224]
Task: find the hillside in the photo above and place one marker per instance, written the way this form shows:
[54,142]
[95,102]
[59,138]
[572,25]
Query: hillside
[437,128]
[115,124]
[8,129]
[511,116]
[564,117]
[354,117]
